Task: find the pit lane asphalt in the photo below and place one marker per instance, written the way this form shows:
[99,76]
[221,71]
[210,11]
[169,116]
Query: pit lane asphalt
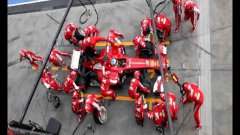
[35,31]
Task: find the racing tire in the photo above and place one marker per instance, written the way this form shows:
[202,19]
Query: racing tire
[56,101]
[100,119]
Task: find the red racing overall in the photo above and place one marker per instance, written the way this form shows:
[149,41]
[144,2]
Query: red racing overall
[32,57]
[48,80]
[112,37]
[190,9]
[139,108]
[173,106]
[92,102]
[177,7]
[158,115]
[69,84]
[146,26]
[163,24]
[139,43]
[78,105]
[90,42]
[193,94]
[135,83]
[55,57]
[108,80]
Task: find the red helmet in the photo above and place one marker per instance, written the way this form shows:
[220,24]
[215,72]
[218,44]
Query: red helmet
[90,28]
[75,95]
[73,74]
[187,4]
[145,23]
[186,86]
[112,31]
[69,30]
[137,74]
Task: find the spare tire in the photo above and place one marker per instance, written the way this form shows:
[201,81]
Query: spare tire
[100,119]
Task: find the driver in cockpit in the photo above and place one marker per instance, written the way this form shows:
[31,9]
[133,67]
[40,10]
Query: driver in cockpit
[114,62]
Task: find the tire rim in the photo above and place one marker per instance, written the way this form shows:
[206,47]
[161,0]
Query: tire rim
[103,117]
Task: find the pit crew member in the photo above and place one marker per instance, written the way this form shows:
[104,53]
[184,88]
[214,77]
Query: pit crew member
[135,84]
[32,57]
[189,12]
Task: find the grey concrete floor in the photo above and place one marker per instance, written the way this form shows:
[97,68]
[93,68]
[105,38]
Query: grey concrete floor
[35,31]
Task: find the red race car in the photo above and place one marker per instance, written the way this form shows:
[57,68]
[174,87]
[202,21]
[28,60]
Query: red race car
[111,68]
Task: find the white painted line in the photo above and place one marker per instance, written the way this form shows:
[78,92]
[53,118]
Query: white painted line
[203,29]
[25,3]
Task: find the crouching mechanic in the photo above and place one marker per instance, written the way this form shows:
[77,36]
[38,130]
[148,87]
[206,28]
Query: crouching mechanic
[163,25]
[158,115]
[90,42]
[78,104]
[193,94]
[48,80]
[109,79]
[140,106]
[135,84]
[173,106]
[69,84]
[55,57]
[92,102]
[32,57]
[190,9]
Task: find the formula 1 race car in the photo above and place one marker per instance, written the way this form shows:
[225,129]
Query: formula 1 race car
[113,62]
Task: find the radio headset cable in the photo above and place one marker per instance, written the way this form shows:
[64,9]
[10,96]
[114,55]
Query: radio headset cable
[154,11]
[86,11]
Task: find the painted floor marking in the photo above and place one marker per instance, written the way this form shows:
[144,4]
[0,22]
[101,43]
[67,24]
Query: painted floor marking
[127,98]
[128,43]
